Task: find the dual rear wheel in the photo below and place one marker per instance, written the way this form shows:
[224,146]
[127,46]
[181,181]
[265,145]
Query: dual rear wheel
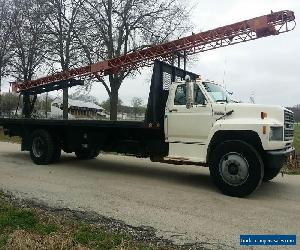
[46,149]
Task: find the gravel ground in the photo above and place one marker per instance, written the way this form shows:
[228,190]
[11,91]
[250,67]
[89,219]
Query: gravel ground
[176,203]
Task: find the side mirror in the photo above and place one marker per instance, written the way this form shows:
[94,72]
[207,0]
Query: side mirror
[189,92]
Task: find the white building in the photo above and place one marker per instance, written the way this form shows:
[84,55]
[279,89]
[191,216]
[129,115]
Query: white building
[77,109]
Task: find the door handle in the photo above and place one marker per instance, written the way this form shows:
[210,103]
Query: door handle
[173,110]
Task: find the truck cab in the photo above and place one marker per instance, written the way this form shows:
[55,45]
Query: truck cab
[238,141]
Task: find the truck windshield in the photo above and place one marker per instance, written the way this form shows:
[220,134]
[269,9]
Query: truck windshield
[216,92]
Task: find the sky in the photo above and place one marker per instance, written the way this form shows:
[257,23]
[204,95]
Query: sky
[267,68]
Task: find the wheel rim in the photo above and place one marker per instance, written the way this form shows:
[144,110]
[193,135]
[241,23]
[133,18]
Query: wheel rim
[234,169]
[37,147]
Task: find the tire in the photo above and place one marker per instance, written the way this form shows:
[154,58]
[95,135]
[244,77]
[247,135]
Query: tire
[270,173]
[42,147]
[87,154]
[236,168]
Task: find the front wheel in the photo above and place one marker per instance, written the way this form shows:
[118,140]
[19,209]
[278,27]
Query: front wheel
[236,168]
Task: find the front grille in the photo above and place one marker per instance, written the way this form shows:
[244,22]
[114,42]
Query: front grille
[288,125]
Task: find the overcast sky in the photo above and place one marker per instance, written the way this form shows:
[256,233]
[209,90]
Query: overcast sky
[268,67]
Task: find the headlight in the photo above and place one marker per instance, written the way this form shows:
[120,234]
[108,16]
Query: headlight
[276,134]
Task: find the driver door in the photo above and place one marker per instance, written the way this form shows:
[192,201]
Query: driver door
[188,128]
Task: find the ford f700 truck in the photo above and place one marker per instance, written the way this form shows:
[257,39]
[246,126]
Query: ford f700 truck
[189,121]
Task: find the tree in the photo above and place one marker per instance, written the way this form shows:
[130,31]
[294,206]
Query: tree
[296,110]
[61,23]
[114,28]
[137,104]
[28,39]
[6,22]
[28,43]
[9,103]
[43,104]
[106,104]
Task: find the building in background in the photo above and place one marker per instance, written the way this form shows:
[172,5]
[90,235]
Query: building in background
[78,109]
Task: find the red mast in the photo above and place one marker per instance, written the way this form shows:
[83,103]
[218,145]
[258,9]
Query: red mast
[258,27]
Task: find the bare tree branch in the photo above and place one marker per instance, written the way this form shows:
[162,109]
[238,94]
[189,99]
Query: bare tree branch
[118,27]
[28,39]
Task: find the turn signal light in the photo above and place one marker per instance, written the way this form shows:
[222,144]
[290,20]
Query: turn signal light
[263,115]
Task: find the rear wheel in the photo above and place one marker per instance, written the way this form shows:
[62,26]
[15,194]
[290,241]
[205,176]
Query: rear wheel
[87,153]
[236,168]
[42,147]
[270,173]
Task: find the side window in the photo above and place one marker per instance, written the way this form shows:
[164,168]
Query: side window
[180,95]
[199,98]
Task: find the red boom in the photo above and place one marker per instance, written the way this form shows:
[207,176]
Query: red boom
[267,25]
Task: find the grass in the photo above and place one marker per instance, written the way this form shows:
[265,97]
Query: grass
[29,228]
[12,219]
[293,165]
[97,239]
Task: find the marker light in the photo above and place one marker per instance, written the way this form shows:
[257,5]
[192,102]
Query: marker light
[263,115]
[264,129]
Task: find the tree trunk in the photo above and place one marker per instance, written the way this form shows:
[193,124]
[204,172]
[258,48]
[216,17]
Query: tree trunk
[114,94]
[46,105]
[1,108]
[65,94]
[65,103]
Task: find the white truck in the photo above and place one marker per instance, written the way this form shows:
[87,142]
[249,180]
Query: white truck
[188,121]
[242,143]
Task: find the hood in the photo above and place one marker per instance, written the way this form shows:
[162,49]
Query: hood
[275,114]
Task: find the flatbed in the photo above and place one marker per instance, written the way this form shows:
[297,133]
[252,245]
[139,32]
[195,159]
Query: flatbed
[88,137]
[129,137]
